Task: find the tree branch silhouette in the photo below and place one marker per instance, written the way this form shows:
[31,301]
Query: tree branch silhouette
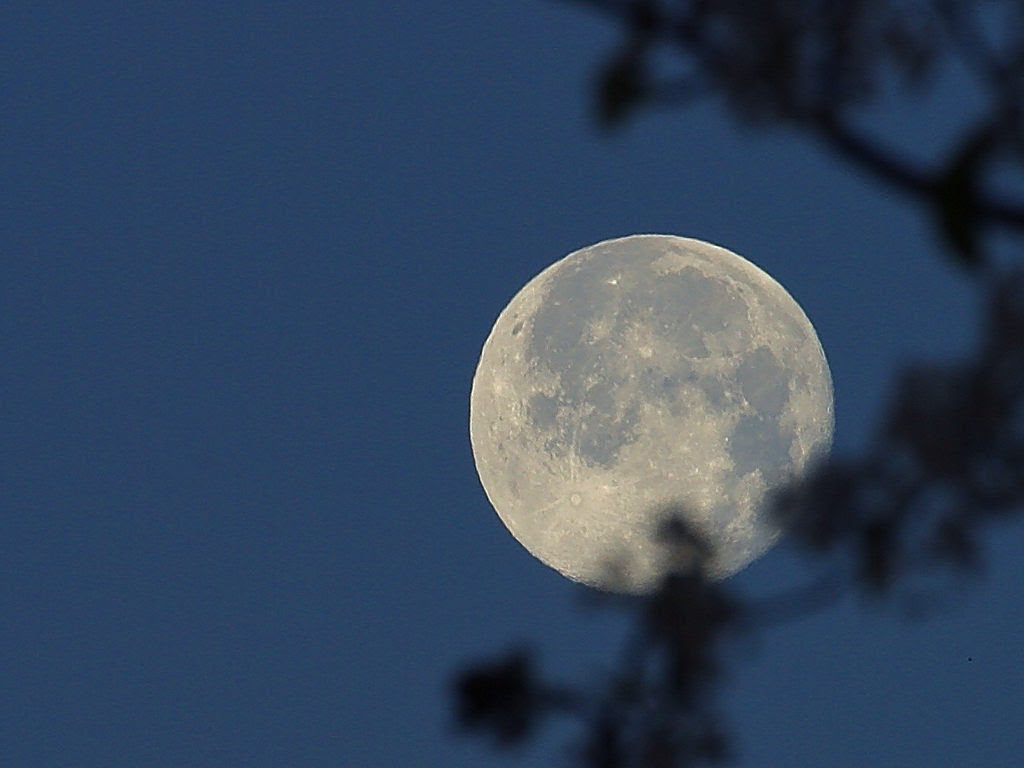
[896,524]
[810,66]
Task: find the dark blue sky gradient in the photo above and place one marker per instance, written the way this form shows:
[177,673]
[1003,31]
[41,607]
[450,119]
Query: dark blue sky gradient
[249,256]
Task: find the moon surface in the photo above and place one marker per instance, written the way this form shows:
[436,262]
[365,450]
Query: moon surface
[638,375]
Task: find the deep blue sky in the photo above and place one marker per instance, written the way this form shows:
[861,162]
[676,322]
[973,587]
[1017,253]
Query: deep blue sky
[249,256]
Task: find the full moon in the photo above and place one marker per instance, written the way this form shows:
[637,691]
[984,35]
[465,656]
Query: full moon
[638,375]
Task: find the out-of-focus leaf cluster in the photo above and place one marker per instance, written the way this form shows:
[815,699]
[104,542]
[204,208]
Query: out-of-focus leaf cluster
[817,66]
[656,708]
[948,461]
[774,59]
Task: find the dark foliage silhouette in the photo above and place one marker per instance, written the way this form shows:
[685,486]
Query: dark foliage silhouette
[658,704]
[901,521]
[815,67]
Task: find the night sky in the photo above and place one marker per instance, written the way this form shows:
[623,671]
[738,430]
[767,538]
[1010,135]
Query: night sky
[250,253]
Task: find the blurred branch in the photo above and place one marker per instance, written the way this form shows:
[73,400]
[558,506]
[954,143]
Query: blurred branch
[654,709]
[885,165]
[809,65]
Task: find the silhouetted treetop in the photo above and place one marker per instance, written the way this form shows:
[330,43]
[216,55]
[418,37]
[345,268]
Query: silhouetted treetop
[814,65]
